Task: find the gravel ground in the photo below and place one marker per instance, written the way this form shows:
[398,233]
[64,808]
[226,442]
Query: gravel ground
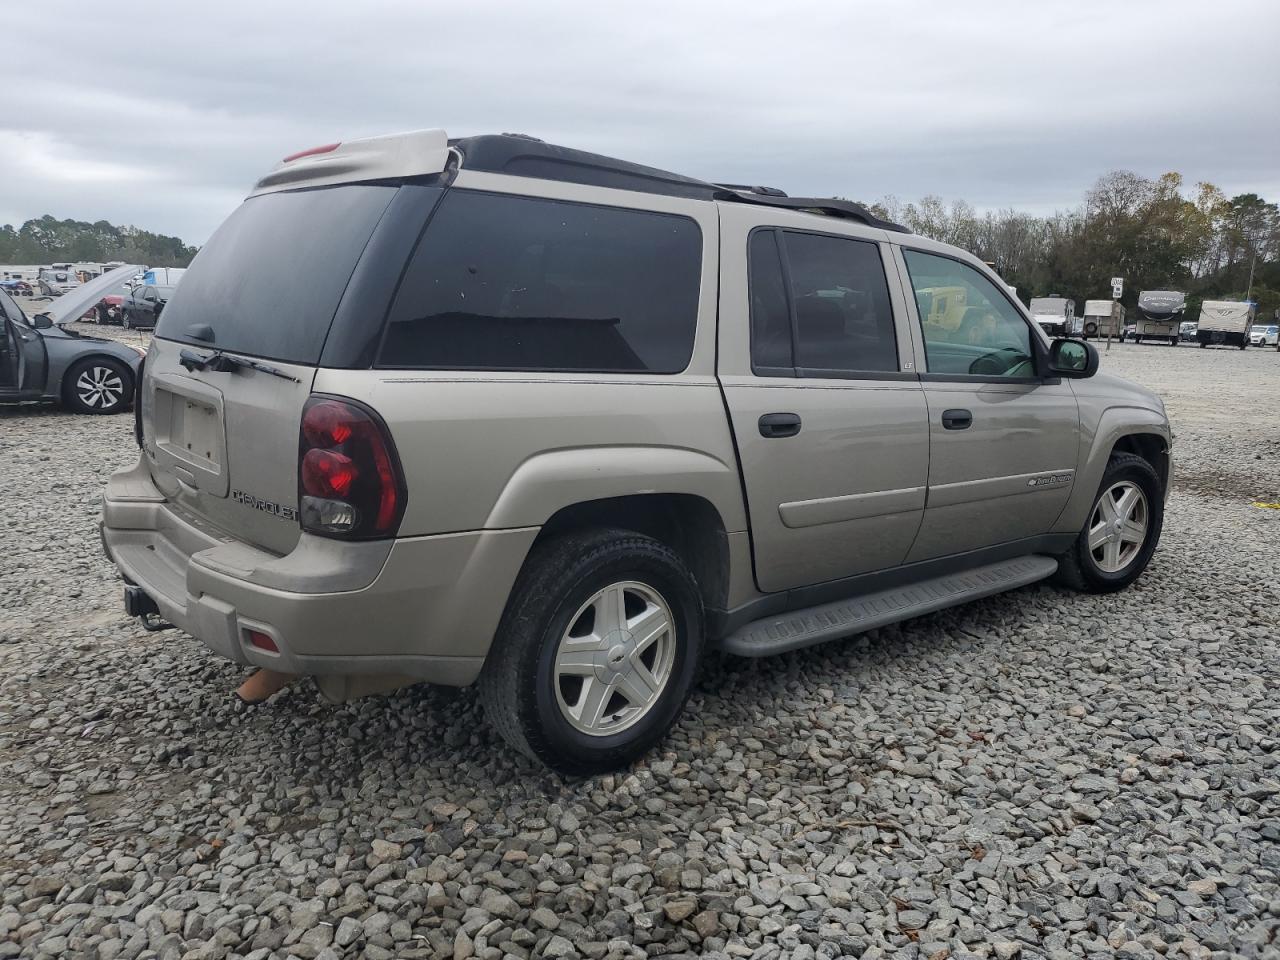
[1039,774]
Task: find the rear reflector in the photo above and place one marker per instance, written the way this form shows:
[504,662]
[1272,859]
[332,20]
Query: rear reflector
[260,640]
[326,148]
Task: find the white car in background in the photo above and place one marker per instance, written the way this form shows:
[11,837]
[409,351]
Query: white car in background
[1264,335]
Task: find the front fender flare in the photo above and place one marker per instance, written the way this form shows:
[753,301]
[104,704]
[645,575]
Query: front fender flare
[1096,448]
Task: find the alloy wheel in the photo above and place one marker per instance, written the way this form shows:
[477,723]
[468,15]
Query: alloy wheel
[100,387]
[614,660]
[1118,526]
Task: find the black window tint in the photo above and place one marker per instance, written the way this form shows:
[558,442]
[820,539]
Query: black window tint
[269,281]
[969,327]
[770,316]
[841,300]
[518,283]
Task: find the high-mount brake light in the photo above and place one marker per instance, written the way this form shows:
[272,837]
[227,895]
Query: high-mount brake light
[324,148]
[349,480]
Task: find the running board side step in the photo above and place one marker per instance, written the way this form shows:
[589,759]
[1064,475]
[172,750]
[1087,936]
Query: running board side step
[844,618]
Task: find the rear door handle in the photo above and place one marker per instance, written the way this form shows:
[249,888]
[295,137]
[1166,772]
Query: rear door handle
[957,419]
[773,425]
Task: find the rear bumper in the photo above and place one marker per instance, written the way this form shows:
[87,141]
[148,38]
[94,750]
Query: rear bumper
[424,608]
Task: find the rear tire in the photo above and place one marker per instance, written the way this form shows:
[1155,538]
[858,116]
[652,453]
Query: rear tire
[1116,561]
[99,385]
[563,682]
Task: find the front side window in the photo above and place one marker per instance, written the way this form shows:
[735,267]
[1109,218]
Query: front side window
[500,282]
[970,329]
[819,306]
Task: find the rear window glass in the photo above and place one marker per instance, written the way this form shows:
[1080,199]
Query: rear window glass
[269,281]
[517,283]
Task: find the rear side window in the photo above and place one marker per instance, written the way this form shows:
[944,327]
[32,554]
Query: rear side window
[518,283]
[819,306]
[269,281]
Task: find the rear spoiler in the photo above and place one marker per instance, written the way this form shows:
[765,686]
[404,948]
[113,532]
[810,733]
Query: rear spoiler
[391,157]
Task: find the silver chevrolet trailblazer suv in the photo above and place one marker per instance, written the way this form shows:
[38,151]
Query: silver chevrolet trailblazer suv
[500,411]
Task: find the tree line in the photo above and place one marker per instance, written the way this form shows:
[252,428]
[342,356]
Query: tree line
[49,240]
[1156,234]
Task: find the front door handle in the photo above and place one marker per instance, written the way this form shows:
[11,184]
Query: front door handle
[957,419]
[773,425]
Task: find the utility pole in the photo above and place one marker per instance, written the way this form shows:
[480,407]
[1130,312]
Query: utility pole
[1252,264]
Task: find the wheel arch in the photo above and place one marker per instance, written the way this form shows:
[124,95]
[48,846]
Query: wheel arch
[1151,447]
[1137,430]
[687,523]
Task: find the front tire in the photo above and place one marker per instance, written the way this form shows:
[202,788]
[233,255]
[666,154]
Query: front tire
[1121,531]
[99,385]
[596,652]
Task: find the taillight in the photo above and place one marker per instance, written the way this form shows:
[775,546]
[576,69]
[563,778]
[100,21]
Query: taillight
[349,480]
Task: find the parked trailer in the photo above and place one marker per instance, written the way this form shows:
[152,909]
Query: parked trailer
[1159,315]
[1103,319]
[163,276]
[1225,322]
[1055,315]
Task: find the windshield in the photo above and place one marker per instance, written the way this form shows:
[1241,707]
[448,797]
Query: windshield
[269,281]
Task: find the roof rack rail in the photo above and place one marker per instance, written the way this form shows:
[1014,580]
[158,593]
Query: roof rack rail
[523,155]
[763,191]
[844,209]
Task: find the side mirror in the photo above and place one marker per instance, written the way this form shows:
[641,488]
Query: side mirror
[41,321]
[1072,358]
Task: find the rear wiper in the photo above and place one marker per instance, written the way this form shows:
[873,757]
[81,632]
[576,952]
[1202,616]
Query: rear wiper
[221,362]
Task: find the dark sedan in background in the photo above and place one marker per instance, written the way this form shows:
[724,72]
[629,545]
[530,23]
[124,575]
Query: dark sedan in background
[143,304]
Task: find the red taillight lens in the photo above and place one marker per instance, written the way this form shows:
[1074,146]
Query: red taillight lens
[349,479]
[328,474]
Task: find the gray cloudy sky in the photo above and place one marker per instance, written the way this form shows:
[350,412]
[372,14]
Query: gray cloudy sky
[162,115]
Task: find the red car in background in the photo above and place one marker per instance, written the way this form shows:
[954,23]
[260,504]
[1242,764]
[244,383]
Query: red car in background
[110,309]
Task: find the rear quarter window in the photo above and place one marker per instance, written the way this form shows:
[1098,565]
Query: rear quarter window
[501,282]
[269,281]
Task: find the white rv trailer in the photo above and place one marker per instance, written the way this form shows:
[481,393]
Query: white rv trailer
[1055,315]
[1103,318]
[1159,315]
[1225,322]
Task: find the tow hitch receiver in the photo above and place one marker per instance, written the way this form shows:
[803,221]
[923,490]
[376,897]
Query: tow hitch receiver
[138,604]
